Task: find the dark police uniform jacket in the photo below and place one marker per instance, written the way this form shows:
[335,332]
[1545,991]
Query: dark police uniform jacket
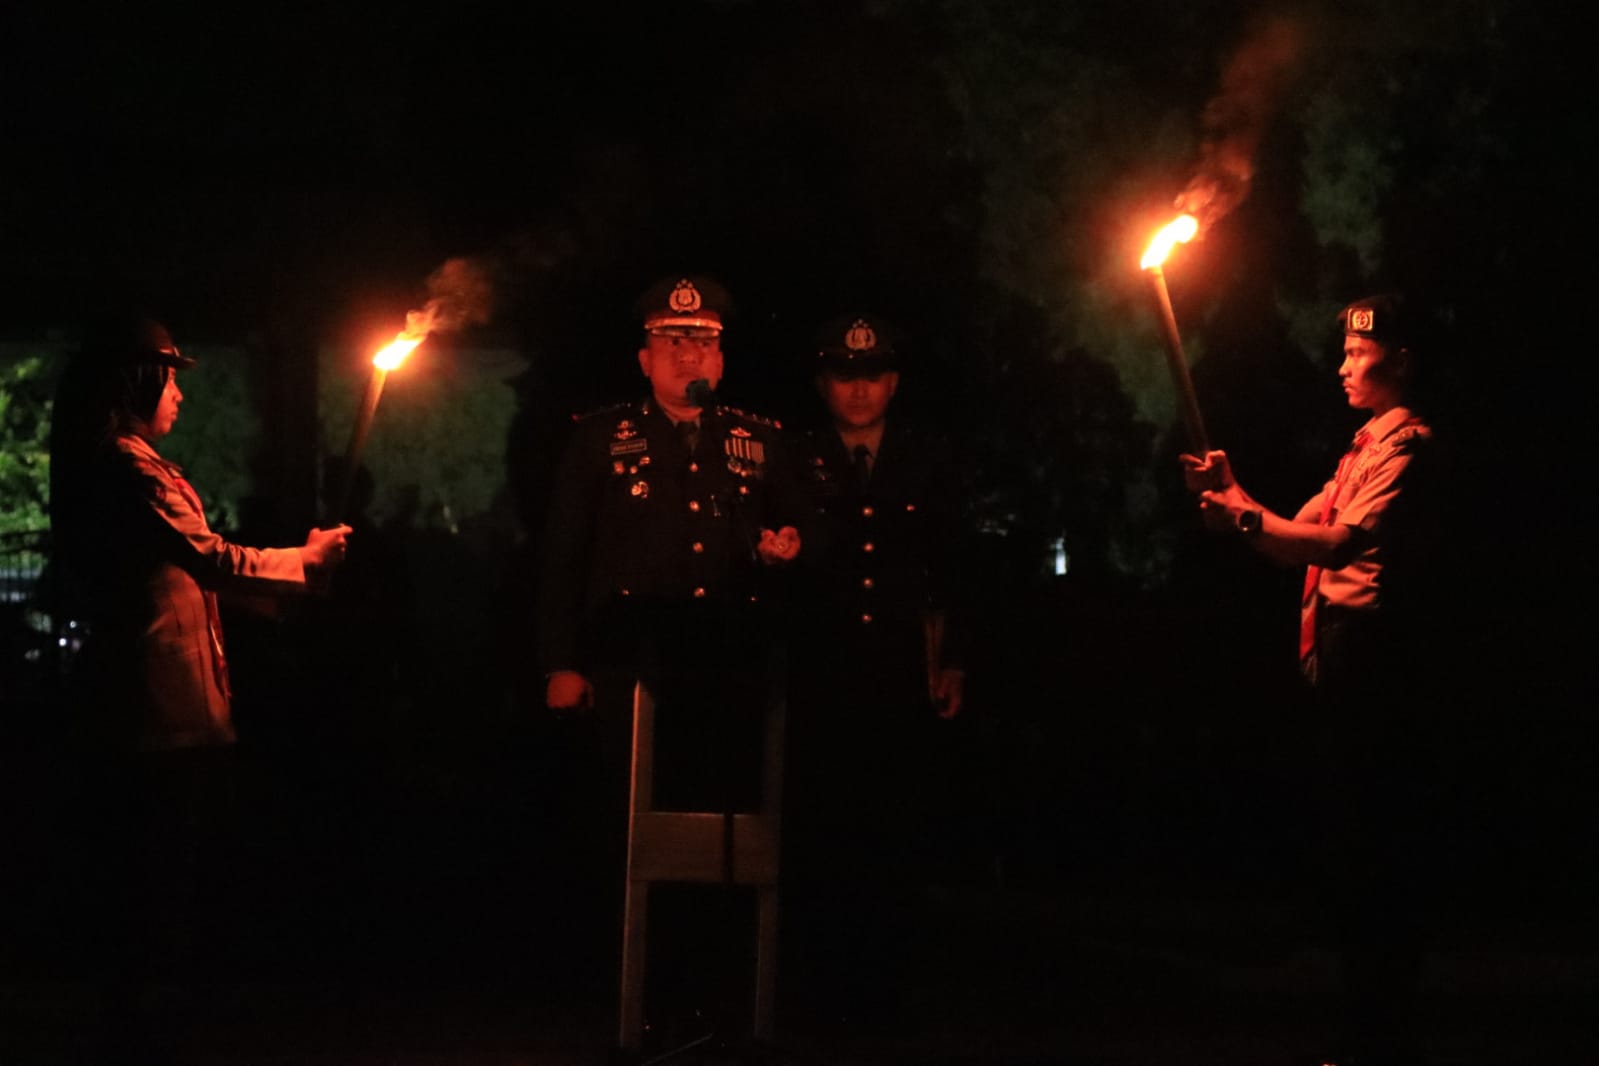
[879,560]
[636,522]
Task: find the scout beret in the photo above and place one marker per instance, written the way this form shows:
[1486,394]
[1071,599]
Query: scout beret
[1385,318]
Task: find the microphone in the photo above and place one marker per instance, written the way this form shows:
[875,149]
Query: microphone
[700,394]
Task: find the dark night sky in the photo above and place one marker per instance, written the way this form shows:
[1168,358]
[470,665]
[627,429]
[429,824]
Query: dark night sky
[219,166]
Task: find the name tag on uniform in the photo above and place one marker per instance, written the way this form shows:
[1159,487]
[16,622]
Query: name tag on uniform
[629,447]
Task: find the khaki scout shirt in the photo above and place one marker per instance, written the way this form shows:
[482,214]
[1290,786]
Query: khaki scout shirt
[153,568]
[1364,497]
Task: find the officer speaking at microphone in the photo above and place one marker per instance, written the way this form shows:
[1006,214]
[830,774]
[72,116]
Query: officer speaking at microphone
[667,535]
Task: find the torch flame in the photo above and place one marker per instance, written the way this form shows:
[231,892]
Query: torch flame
[395,352]
[1180,231]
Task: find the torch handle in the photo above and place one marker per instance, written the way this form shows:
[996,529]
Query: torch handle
[1193,421]
[358,435]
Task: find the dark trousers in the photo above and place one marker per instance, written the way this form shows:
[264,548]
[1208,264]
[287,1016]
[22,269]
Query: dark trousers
[1378,812]
[155,893]
[865,819]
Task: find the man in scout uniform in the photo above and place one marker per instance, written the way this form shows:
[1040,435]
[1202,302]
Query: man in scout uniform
[1365,540]
[1358,538]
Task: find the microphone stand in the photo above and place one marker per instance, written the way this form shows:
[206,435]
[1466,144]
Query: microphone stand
[716,1042]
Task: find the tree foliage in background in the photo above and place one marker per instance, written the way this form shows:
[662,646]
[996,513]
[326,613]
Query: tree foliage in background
[26,384]
[437,446]
[1379,157]
[218,434]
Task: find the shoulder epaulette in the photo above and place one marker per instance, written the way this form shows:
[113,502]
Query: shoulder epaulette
[1405,434]
[771,423]
[608,409]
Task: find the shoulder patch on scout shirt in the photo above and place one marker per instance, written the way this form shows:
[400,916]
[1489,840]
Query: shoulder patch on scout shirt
[1406,434]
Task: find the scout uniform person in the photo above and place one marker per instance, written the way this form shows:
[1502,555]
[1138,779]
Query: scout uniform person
[1365,541]
[143,570]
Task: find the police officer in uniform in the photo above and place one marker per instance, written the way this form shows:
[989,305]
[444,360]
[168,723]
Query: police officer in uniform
[667,539]
[880,640]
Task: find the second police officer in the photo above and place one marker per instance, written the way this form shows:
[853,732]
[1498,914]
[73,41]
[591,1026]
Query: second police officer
[880,637]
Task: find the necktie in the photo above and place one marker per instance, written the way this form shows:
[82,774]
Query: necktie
[1309,599]
[690,431]
[863,466]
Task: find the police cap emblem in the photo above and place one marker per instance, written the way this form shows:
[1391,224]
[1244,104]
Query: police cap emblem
[687,302]
[857,345]
[685,297]
[860,337]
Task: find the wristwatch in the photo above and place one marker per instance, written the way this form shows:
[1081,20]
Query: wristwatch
[1249,522]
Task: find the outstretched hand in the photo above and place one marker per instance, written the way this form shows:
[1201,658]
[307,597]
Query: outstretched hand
[324,548]
[780,547]
[568,691]
[947,687]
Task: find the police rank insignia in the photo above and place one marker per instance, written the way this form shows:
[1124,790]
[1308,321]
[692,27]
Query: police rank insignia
[626,439]
[684,297]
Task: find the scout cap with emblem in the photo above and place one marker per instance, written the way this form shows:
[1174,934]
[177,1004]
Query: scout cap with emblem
[1385,318]
[134,338]
[859,345]
[688,304]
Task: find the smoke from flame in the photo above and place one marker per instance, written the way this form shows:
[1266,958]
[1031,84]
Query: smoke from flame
[1236,119]
[460,293]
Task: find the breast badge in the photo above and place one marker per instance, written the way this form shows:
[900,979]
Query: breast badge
[741,446]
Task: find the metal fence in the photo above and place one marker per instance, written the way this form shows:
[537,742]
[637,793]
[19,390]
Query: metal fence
[35,639]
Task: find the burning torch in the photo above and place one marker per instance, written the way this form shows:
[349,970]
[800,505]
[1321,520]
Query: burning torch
[1180,231]
[387,358]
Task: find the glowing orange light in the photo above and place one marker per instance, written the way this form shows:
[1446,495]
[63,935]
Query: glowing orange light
[393,354]
[1180,231]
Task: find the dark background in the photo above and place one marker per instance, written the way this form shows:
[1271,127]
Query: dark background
[280,179]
